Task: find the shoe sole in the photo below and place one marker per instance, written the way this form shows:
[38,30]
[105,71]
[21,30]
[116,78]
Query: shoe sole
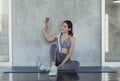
[53,75]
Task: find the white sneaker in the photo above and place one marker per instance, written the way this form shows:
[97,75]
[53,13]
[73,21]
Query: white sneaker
[53,78]
[44,68]
[53,71]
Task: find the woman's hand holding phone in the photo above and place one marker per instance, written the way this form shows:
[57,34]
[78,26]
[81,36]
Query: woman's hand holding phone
[45,24]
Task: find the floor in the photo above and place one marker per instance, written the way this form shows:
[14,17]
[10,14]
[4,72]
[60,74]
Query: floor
[61,76]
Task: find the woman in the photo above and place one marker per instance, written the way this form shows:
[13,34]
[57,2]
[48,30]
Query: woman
[61,51]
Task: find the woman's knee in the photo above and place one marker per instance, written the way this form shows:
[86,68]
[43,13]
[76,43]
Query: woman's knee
[76,63]
[71,65]
[53,46]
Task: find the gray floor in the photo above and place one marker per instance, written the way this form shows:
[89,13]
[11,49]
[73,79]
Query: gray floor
[61,76]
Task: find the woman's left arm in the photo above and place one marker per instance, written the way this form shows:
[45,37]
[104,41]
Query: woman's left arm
[70,51]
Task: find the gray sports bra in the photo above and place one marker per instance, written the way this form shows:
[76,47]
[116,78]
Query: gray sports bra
[65,44]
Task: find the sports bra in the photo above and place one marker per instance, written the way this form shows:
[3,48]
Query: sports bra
[65,44]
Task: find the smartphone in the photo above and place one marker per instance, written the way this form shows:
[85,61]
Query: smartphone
[47,19]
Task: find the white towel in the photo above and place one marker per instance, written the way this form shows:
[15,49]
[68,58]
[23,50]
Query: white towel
[58,41]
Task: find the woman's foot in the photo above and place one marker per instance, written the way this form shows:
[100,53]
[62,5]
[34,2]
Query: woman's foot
[44,68]
[53,71]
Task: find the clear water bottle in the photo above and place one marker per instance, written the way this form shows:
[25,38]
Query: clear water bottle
[38,63]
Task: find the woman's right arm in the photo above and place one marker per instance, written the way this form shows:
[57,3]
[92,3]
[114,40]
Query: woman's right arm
[47,38]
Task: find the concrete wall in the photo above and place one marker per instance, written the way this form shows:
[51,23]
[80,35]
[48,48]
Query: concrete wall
[113,11]
[4,45]
[28,42]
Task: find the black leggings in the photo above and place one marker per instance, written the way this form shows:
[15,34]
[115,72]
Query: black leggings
[59,57]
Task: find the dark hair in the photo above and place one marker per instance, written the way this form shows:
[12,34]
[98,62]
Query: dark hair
[70,25]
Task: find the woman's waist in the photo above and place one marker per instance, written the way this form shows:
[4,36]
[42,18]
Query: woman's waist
[64,50]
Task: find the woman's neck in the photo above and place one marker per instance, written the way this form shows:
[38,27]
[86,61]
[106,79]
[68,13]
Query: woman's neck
[65,34]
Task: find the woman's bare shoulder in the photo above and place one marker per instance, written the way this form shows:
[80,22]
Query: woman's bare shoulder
[72,38]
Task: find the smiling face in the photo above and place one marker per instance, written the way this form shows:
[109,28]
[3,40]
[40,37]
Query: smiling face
[64,28]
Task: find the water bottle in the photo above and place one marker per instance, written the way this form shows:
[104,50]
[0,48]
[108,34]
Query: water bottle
[38,63]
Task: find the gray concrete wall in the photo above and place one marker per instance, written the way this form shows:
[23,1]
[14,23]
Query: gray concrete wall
[28,42]
[113,11]
[4,45]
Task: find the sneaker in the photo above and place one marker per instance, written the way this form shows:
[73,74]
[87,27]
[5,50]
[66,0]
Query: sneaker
[53,71]
[53,78]
[44,68]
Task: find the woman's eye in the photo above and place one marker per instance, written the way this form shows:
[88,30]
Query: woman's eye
[64,26]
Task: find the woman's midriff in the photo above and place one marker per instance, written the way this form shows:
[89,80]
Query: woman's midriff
[64,51]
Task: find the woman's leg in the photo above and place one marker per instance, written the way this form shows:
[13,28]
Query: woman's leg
[59,58]
[53,51]
[70,65]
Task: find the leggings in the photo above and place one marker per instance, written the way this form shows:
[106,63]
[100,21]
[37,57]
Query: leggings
[56,56]
[59,57]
